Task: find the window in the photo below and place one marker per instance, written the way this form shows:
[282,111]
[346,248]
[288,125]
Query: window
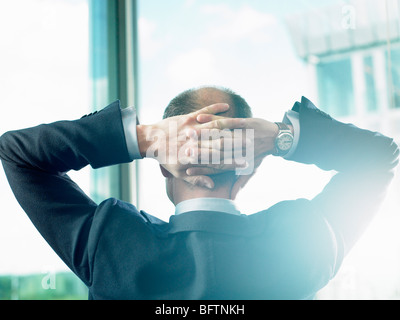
[44,78]
[113,72]
[370,87]
[335,87]
[394,77]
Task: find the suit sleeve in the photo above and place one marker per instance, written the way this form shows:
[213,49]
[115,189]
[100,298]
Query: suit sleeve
[364,163]
[36,162]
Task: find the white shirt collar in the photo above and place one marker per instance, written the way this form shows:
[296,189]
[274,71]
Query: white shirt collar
[207,204]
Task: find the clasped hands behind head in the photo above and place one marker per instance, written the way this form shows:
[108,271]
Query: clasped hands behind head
[207,149]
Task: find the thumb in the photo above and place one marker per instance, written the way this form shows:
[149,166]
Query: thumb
[212,109]
[200,181]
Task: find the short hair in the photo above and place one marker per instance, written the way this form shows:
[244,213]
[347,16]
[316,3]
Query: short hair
[191,100]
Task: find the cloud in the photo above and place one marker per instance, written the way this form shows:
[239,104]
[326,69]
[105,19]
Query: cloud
[44,59]
[189,3]
[208,60]
[192,68]
[236,25]
[150,45]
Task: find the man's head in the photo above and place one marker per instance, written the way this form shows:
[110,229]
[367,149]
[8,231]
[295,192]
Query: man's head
[188,102]
[198,98]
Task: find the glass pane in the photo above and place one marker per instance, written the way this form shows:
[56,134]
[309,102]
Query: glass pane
[104,181]
[43,78]
[335,87]
[395,77]
[371,91]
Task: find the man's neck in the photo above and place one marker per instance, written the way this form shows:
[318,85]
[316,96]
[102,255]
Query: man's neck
[181,191]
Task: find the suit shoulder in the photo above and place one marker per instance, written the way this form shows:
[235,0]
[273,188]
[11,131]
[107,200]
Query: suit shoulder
[113,213]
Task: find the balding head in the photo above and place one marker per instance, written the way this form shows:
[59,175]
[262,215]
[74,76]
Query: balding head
[196,99]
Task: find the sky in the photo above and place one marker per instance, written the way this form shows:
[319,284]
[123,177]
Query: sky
[215,42]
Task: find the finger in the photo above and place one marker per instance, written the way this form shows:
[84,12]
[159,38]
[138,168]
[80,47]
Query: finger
[212,169]
[205,156]
[204,118]
[213,109]
[209,171]
[200,181]
[204,171]
[228,143]
[221,159]
[221,123]
[191,133]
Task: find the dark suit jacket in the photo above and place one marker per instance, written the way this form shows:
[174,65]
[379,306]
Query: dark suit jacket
[289,251]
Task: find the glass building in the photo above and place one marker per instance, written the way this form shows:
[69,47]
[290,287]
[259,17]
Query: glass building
[352,51]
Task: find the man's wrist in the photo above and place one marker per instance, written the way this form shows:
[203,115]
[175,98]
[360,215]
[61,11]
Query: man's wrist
[130,122]
[142,139]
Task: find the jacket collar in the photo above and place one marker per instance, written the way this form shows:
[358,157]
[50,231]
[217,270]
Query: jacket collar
[215,222]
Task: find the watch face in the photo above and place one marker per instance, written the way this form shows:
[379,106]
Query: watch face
[284,142]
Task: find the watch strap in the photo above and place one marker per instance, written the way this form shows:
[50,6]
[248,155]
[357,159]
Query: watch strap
[283,126]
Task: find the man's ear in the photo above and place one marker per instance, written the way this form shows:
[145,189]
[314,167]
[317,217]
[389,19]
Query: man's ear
[165,172]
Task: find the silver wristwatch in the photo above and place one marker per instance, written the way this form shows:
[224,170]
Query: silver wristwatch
[284,140]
